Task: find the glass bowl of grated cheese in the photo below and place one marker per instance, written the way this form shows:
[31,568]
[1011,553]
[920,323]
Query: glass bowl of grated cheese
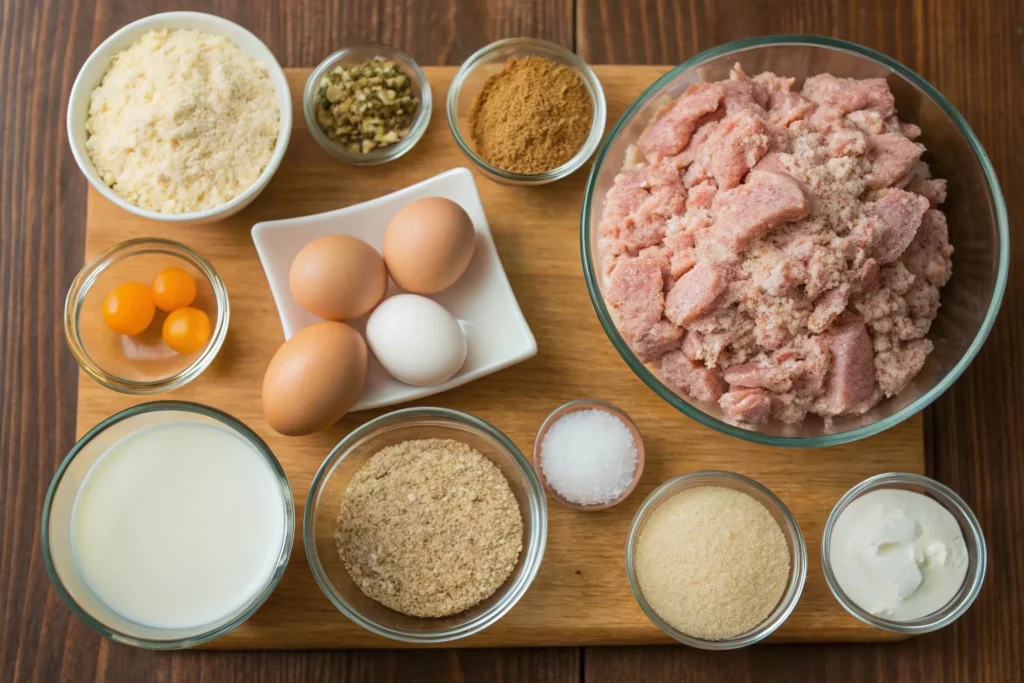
[706,580]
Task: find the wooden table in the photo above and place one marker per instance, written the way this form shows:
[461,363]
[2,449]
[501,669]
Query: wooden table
[971,50]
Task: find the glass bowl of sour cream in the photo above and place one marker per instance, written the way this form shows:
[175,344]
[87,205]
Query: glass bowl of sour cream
[904,553]
[167,525]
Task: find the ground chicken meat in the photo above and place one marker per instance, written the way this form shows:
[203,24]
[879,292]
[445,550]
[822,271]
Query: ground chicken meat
[778,252]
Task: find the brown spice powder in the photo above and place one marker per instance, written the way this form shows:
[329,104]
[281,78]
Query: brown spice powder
[531,117]
[429,528]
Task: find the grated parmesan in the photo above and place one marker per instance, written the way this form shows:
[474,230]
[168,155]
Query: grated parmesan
[712,562]
[182,121]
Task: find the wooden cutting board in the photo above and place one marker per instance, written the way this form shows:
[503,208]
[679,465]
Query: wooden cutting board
[580,596]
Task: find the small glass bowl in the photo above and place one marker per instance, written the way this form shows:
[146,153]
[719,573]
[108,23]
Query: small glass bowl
[787,523]
[58,509]
[485,62]
[973,538]
[575,406]
[142,364]
[358,54]
[330,482]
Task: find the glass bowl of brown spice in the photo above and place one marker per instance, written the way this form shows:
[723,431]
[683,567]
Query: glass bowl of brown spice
[425,525]
[526,111]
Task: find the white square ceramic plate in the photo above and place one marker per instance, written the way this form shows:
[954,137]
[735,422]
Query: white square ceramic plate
[481,300]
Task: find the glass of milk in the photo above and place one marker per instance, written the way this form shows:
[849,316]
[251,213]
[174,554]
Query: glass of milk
[167,525]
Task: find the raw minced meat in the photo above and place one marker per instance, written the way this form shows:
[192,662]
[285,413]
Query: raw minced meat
[778,252]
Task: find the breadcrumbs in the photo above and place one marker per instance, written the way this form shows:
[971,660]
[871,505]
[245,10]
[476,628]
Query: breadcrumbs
[712,562]
[429,528]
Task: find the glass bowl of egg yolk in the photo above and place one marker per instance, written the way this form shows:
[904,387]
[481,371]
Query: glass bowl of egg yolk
[145,316]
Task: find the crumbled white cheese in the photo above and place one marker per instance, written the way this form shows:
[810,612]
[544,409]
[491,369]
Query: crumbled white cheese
[182,121]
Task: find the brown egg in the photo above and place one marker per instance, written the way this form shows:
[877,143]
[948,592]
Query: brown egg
[338,277]
[428,245]
[314,378]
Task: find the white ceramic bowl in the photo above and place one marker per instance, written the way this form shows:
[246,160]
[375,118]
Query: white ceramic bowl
[98,63]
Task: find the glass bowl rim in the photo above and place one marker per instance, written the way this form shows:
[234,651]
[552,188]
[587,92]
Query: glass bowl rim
[798,561]
[590,145]
[653,383]
[256,601]
[531,556]
[977,551]
[86,278]
[380,155]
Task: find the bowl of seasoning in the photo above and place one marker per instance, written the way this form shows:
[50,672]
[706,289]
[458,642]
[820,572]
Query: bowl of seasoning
[589,454]
[526,111]
[367,104]
[425,525]
[904,553]
[716,560]
[146,315]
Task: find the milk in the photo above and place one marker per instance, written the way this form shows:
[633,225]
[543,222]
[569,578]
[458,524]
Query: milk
[178,525]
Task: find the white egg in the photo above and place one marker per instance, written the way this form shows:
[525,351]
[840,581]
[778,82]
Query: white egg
[416,340]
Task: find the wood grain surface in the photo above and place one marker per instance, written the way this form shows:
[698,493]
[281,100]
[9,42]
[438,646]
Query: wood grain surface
[971,50]
[581,595]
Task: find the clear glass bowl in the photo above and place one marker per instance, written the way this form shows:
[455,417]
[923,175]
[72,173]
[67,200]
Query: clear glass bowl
[977,554]
[323,504]
[483,63]
[787,523]
[572,407]
[977,224]
[358,54]
[58,554]
[141,364]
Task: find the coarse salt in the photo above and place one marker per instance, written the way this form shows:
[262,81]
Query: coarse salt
[589,457]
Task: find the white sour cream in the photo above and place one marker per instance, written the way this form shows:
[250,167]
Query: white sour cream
[898,554]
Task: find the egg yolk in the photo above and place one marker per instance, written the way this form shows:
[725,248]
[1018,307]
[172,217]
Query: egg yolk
[129,308]
[172,289]
[186,330]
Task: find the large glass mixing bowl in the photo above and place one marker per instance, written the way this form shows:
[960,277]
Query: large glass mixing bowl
[975,210]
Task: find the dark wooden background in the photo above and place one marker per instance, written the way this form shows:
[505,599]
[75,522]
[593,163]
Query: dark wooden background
[973,50]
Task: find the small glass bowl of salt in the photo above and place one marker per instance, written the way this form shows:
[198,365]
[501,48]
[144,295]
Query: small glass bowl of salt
[588,454]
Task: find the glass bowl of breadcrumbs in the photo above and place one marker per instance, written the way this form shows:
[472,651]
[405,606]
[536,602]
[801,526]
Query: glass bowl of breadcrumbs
[425,525]
[716,560]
